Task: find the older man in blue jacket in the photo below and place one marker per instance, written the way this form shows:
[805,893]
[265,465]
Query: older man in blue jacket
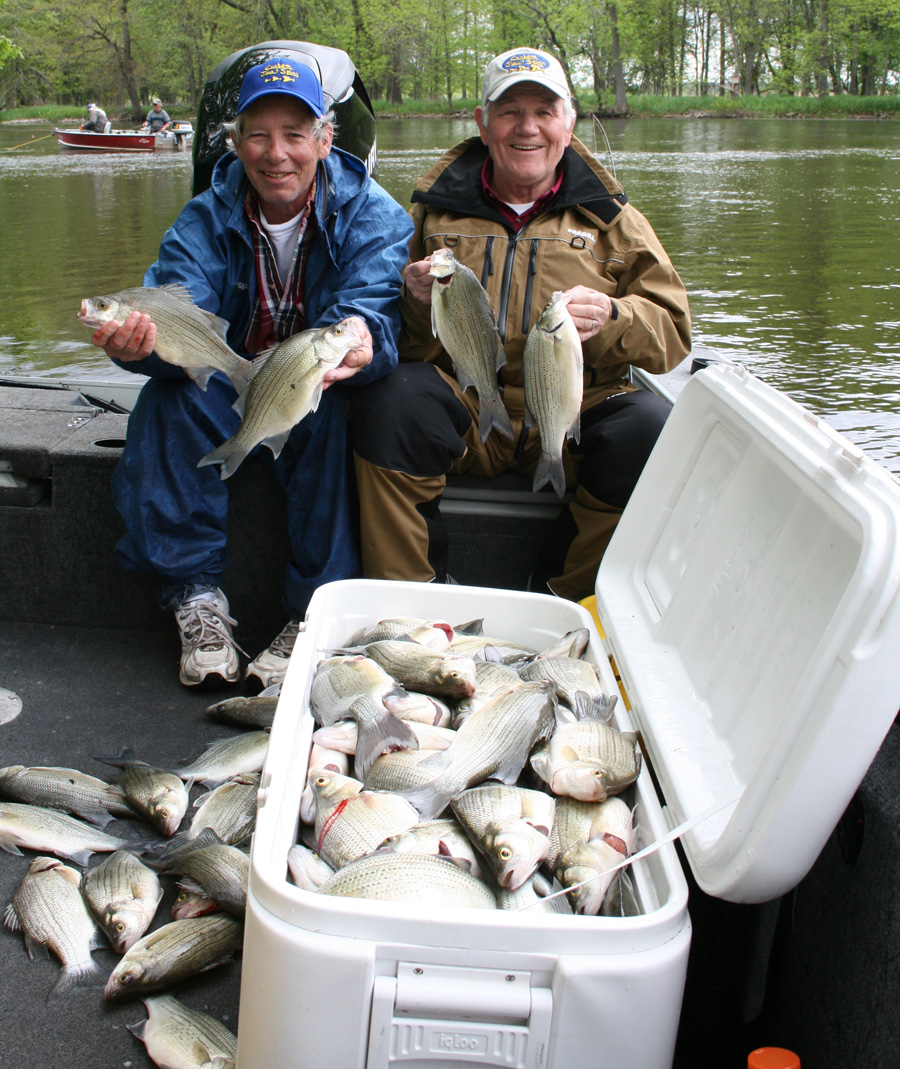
[292,234]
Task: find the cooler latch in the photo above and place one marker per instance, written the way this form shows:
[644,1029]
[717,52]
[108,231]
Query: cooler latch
[450,1014]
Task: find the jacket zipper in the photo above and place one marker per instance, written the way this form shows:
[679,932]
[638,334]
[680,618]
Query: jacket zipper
[532,271]
[504,286]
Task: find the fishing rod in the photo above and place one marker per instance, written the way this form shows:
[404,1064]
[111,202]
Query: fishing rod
[33,141]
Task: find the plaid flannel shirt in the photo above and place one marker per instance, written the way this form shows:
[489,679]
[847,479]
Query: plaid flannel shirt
[278,313]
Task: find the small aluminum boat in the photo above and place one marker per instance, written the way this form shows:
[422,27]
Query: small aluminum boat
[177,138]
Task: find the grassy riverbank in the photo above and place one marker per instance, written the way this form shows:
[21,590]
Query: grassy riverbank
[60,113]
[769,106]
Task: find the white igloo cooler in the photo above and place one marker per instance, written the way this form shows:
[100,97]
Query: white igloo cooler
[749,599]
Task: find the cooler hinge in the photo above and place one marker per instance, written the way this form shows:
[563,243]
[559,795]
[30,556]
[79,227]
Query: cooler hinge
[449,1014]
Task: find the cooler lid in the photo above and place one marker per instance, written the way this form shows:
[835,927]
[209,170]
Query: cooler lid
[749,596]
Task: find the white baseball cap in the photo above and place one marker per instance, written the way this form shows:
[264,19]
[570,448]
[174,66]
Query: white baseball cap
[523,65]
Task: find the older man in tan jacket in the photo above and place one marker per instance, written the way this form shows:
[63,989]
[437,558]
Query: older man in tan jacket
[530,211]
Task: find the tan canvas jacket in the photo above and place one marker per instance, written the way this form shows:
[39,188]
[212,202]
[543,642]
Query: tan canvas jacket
[589,235]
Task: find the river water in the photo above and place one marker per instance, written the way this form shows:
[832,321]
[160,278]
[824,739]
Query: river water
[784,231]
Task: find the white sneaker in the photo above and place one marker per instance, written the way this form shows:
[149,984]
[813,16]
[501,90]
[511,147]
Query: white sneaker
[207,645]
[269,667]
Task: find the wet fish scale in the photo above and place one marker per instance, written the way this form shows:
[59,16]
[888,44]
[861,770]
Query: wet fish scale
[176,1035]
[230,810]
[227,758]
[123,895]
[175,951]
[461,318]
[358,825]
[65,788]
[419,878]
[494,741]
[48,907]
[553,377]
[38,828]
[186,335]
[287,388]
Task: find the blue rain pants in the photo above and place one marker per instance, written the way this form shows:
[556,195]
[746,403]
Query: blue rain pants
[176,514]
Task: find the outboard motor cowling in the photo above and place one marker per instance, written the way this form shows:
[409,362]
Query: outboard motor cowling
[341,84]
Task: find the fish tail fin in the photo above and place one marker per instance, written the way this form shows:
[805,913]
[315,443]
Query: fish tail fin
[493,414]
[228,455]
[242,376]
[430,798]
[549,470]
[380,736]
[85,974]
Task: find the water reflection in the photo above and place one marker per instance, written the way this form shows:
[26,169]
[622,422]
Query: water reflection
[783,232]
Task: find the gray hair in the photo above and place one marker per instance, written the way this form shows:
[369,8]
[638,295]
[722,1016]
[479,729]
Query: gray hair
[234,134]
[568,111]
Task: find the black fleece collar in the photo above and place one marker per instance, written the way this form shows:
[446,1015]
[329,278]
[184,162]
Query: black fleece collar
[458,188]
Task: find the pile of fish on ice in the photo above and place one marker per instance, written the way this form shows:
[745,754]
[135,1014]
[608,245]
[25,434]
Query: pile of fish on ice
[64,812]
[485,774]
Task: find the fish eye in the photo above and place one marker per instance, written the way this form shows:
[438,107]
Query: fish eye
[125,979]
[101,304]
[504,853]
[120,927]
[321,781]
[164,813]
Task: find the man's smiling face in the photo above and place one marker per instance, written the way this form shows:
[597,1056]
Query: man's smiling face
[280,153]
[526,133]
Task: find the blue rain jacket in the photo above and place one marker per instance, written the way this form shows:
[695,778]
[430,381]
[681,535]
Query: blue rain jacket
[175,513]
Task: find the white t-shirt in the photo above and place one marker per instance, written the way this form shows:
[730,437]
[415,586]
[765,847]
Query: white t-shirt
[283,238]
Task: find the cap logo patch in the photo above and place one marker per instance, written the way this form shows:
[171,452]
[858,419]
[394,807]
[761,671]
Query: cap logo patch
[525,61]
[278,72]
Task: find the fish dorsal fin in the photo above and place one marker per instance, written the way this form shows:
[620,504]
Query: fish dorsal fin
[177,290]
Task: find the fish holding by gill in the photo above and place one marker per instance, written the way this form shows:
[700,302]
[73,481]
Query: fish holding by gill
[553,375]
[48,908]
[462,320]
[186,335]
[286,387]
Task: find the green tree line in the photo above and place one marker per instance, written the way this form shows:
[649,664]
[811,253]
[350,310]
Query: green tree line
[123,52]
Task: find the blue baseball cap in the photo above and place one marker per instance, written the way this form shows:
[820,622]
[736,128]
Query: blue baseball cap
[282,75]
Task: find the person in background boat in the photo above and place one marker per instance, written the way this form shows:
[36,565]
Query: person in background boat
[292,234]
[157,120]
[530,210]
[96,120]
